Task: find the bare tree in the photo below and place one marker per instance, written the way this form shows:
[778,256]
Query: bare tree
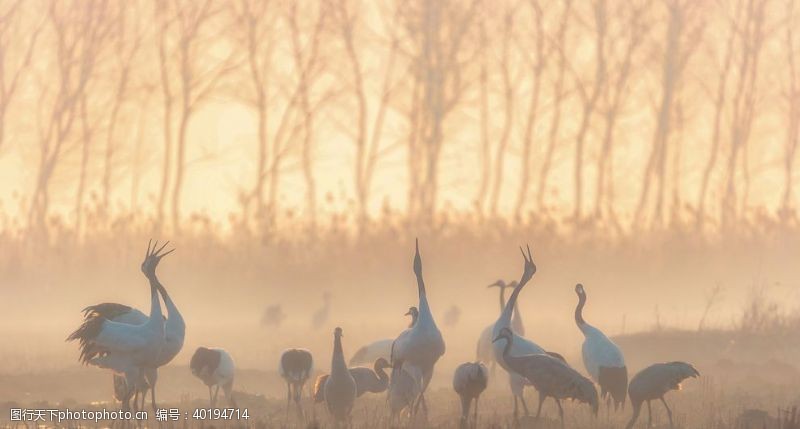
[559,45]
[78,32]
[351,25]
[793,96]
[589,98]
[744,106]
[127,40]
[15,32]
[620,63]
[537,61]
[436,31]
[719,108]
[684,26]
[185,38]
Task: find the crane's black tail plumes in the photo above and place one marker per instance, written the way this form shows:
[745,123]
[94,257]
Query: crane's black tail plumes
[614,381]
[85,334]
[108,310]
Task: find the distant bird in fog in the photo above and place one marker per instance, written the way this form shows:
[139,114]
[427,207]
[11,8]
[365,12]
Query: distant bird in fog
[654,382]
[422,345]
[126,348]
[549,375]
[321,315]
[485,351]
[296,366]
[469,381]
[452,315]
[340,388]
[273,316]
[216,369]
[368,380]
[602,358]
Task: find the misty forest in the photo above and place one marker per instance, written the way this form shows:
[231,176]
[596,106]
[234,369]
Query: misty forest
[293,151]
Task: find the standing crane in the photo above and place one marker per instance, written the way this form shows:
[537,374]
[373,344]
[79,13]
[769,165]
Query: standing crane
[469,381]
[522,346]
[126,348]
[296,366]
[654,382]
[216,369]
[602,358]
[421,345]
[340,388]
[549,375]
[485,351]
[368,380]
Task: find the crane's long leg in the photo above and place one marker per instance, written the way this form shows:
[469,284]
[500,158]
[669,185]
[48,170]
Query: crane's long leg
[524,405]
[669,412]
[475,413]
[649,415]
[216,393]
[210,398]
[560,412]
[637,406]
[153,397]
[288,398]
[541,401]
[515,408]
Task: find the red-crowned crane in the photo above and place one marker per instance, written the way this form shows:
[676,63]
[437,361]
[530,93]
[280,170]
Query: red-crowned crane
[469,381]
[215,368]
[602,358]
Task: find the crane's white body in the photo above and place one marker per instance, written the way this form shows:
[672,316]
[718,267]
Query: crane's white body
[599,351]
[405,386]
[223,374]
[421,345]
[372,352]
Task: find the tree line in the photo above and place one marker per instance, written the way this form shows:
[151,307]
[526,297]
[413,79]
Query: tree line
[629,114]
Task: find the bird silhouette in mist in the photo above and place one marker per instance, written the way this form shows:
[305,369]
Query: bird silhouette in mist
[273,316]
[320,316]
[452,316]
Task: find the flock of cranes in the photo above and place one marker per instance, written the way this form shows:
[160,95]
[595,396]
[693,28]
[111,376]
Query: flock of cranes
[134,345]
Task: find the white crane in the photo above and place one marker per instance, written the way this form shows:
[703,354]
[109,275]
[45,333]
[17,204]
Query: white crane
[654,382]
[340,388]
[126,348]
[381,348]
[368,380]
[549,375]
[216,369]
[469,381]
[521,345]
[295,366]
[421,345]
[602,358]
[174,334]
[485,350]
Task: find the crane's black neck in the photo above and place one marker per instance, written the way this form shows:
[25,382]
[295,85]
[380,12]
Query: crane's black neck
[579,309]
[502,297]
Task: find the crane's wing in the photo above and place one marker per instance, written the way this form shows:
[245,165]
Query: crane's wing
[372,351]
[120,337]
[550,374]
[116,312]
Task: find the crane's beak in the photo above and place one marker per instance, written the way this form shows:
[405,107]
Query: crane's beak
[408,313]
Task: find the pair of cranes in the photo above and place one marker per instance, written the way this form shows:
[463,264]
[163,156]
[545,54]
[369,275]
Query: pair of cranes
[134,345]
[552,377]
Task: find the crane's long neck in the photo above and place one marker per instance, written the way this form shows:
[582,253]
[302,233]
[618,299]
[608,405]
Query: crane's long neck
[505,316]
[175,320]
[579,311]
[516,320]
[381,373]
[502,298]
[424,308]
[507,348]
[337,362]
[156,316]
